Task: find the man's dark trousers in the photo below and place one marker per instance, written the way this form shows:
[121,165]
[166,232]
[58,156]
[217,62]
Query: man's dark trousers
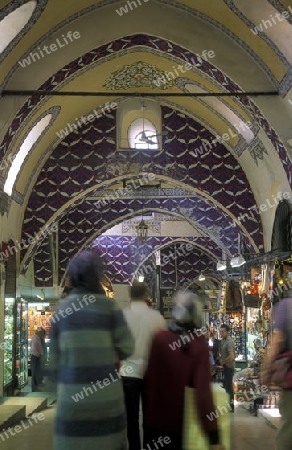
[228,384]
[133,391]
[35,364]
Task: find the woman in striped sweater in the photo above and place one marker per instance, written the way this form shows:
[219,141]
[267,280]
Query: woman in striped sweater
[88,337]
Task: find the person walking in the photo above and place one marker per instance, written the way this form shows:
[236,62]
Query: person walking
[143,322]
[44,356]
[281,341]
[36,354]
[179,357]
[228,362]
[89,335]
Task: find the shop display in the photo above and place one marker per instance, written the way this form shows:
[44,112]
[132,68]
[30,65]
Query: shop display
[21,343]
[236,321]
[9,324]
[166,303]
[39,315]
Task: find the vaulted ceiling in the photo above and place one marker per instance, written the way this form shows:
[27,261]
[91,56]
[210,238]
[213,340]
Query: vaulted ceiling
[119,49]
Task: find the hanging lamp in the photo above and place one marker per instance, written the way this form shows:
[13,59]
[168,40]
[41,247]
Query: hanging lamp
[142,228]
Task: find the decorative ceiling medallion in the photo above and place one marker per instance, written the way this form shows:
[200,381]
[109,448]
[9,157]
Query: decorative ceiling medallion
[138,74]
[258,152]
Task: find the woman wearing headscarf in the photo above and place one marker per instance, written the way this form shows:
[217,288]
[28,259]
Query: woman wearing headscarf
[88,337]
[179,357]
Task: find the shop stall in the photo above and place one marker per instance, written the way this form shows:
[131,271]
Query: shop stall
[39,315]
[9,349]
[21,357]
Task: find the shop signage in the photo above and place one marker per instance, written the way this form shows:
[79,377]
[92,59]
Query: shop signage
[166,302]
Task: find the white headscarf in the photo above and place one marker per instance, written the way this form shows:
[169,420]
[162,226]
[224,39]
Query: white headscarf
[187,310]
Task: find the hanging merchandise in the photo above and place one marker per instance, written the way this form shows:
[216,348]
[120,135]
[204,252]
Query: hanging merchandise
[233,297]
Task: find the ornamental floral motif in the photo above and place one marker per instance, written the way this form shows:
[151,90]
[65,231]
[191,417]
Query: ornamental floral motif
[258,152]
[138,74]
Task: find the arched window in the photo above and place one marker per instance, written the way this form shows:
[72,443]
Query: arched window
[14,22]
[30,140]
[142,134]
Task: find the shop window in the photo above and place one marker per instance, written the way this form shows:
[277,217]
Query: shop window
[30,140]
[14,22]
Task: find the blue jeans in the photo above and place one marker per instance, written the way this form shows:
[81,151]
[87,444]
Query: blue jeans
[228,384]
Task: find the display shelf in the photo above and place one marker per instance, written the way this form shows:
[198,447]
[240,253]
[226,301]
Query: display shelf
[21,362]
[9,324]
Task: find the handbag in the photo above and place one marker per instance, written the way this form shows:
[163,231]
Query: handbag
[194,437]
[281,368]
[281,371]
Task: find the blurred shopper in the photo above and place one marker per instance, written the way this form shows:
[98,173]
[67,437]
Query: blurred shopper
[35,363]
[281,341]
[89,335]
[143,322]
[179,357]
[228,362]
[44,356]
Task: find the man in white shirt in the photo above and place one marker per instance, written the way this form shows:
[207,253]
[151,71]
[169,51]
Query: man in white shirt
[143,322]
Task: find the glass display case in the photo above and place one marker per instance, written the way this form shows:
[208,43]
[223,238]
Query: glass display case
[9,326]
[21,371]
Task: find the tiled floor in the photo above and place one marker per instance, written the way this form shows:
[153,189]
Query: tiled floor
[248,433]
[251,433]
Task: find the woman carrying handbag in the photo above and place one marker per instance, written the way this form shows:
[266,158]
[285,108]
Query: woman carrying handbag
[179,358]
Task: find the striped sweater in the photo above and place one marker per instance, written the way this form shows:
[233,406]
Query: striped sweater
[89,336]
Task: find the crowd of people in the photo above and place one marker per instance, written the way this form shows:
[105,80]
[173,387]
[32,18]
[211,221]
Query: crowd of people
[118,360]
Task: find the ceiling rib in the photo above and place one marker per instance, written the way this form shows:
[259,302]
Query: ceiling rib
[9,93]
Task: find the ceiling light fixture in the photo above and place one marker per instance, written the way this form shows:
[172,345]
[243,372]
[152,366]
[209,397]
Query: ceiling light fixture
[221,265]
[142,228]
[237,261]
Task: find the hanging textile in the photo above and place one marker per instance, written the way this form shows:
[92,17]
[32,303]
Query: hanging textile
[233,297]
[282,228]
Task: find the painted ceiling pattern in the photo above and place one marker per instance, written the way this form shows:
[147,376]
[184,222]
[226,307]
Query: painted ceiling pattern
[93,221]
[88,157]
[79,162]
[179,264]
[123,256]
[155,45]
